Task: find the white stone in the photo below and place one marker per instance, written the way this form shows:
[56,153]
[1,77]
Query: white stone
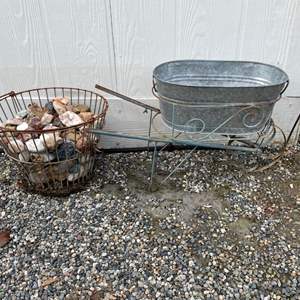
[69,118]
[48,157]
[15,122]
[22,126]
[50,140]
[35,145]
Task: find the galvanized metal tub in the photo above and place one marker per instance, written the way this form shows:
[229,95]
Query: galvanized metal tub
[228,97]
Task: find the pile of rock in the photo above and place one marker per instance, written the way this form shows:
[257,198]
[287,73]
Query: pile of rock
[51,133]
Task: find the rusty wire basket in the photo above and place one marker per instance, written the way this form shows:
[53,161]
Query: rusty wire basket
[54,159]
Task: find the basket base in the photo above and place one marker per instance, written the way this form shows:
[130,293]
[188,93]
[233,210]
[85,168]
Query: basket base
[64,191]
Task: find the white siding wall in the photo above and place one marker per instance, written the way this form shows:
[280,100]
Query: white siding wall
[118,43]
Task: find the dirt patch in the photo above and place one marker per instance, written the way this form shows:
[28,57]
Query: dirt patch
[193,201]
[242,227]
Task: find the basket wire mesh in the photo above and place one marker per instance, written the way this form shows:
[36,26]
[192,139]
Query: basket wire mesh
[57,160]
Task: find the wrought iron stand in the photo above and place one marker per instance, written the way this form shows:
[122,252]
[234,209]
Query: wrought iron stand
[160,134]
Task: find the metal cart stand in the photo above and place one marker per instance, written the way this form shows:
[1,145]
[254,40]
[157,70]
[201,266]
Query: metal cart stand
[166,135]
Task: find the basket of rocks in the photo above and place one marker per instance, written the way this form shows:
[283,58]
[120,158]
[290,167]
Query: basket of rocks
[46,132]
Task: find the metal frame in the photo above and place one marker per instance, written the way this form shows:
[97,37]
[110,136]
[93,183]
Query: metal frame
[200,139]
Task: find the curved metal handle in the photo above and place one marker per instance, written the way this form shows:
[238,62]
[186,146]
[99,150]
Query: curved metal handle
[285,87]
[154,84]
[154,90]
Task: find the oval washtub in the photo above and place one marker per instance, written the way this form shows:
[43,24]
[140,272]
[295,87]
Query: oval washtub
[227,97]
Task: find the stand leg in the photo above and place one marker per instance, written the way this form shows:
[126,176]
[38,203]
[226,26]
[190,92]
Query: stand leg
[179,164]
[149,130]
[154,162]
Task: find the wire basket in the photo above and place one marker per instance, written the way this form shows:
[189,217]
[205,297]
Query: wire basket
[53,159]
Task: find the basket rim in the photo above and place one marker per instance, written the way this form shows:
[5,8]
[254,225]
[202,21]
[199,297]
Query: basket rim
[12,93]
[90,121]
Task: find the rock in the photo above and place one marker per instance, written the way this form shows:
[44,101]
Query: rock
[46,119]
[22,114]
[67,165]
[80,108]
[28,132]
[38,175]
[36,158]
[49,106]
[62,100]
[74,176]
[13,122]
[5,139]
[51,140]
[50,126]
[75,168]
[55,172]
[69,118]
[5,237]
[73,136]
[35,123]
[3,134]
[60,104]
[36,111]
[70,107]
[66,150]
[86,116]
[24,156]
[82,143]
[26,135]
[10,128]
[59,107]
[42,157]
[23,126]
[56,122]
[85,159]
[15,146]
[35,145]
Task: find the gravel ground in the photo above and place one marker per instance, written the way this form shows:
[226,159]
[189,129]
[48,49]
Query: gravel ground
[215,230]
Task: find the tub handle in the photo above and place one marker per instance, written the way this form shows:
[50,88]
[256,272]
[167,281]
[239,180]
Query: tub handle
[154,89]
[154,84]
[154,93]
[285,87]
